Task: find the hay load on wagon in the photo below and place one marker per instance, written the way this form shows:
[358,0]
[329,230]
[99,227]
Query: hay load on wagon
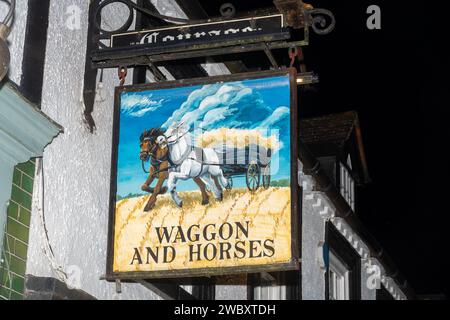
[242,153]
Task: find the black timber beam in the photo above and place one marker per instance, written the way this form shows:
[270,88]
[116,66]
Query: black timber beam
[167,290]
[34,50]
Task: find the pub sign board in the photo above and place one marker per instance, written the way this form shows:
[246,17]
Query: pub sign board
[204,177]
[254,29]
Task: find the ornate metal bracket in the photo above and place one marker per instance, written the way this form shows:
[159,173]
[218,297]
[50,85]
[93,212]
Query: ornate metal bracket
[300,15]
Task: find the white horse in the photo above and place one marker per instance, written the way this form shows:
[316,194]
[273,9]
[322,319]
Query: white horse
[189,162]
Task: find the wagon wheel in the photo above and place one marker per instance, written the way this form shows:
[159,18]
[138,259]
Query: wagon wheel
[266,177]
[229,183]
[252,177]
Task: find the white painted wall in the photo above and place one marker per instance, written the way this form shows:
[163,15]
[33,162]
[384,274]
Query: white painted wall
[76,165]
[231,292]
[16,39]
[313,236]
[366,272]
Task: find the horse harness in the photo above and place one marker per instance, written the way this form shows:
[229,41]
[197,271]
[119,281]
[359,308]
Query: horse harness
[156,163]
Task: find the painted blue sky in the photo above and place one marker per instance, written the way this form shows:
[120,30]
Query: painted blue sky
[248,104]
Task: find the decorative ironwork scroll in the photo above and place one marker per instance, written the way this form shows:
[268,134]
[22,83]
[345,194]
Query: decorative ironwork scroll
[322,21]
[132,9]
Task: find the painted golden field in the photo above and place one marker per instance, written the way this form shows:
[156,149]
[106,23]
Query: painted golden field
[267,211]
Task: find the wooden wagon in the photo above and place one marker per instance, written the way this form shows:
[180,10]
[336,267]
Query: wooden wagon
[252,161]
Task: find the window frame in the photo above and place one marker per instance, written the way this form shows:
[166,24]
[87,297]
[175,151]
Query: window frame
[348,256]
[341,273]
[283,285]
[346,183]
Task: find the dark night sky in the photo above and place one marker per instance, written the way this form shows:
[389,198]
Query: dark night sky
[394,78]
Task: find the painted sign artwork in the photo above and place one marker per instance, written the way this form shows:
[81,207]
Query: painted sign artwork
[204,177]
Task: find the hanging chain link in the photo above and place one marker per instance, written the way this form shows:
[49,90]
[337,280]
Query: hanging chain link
[122,73]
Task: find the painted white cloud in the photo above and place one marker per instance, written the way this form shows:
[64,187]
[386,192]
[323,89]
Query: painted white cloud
[234,106]
[138,104]
[278,114]
[193,101]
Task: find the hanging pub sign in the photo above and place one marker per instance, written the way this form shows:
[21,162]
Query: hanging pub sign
[204,177]
[229,32]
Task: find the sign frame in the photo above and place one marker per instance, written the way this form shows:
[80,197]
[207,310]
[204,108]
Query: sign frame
[293,264]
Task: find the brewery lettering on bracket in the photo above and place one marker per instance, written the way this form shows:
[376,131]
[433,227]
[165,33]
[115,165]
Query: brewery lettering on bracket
[250,29]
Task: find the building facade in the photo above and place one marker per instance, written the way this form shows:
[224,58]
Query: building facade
[58,213]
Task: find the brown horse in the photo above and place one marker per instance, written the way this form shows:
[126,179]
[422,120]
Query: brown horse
[159,166]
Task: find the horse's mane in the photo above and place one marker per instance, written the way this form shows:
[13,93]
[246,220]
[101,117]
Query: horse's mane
[151,133]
